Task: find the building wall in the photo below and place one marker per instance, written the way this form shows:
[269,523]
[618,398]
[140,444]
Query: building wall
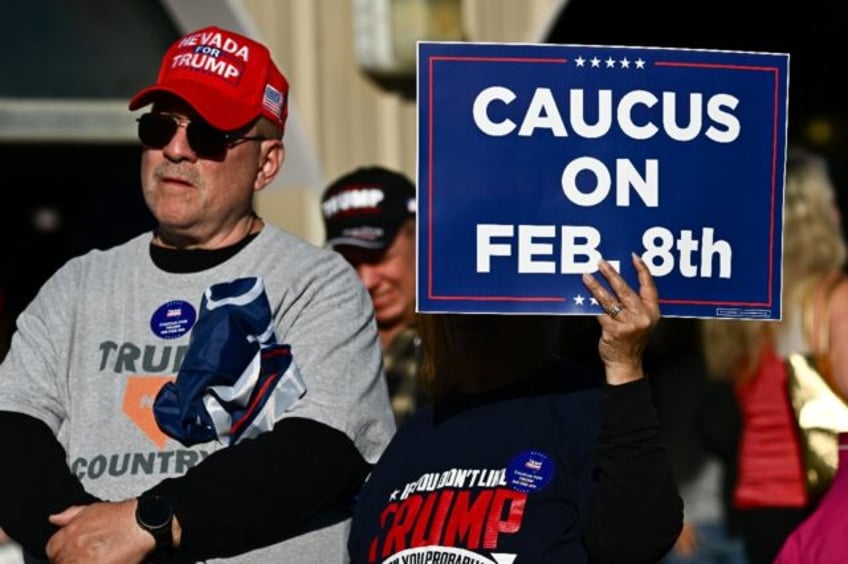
[350,119]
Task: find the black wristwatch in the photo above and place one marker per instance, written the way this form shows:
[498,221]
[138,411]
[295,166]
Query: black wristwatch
[155,515]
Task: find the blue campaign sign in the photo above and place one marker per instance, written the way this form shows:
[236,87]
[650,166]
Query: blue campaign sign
[534,161]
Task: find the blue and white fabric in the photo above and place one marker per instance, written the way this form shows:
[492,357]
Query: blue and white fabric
[236,379]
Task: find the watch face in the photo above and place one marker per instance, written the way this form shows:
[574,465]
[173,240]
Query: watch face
[154,512]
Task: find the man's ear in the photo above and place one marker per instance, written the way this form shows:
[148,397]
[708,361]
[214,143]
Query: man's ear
[271,160]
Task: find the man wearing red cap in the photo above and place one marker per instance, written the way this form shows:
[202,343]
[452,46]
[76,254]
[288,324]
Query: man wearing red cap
[266,466]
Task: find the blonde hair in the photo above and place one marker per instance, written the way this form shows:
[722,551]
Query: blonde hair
[813,247]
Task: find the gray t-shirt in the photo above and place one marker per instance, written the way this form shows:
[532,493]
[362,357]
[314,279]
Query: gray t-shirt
[109,328]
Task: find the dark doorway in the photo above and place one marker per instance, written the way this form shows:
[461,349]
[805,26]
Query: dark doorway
[62,200]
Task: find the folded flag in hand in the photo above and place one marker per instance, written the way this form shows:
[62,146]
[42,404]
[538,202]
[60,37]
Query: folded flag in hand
[236,380]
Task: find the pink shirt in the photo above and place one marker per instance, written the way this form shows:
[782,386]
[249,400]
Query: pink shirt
[822,537]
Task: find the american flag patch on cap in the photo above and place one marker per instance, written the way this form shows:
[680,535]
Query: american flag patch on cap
[272,100]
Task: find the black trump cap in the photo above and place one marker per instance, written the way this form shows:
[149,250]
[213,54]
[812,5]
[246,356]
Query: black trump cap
[366,207]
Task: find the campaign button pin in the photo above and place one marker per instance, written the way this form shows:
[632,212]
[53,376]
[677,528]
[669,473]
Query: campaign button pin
[173,319]
[529,472]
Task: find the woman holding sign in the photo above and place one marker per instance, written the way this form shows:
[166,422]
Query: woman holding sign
[524,456]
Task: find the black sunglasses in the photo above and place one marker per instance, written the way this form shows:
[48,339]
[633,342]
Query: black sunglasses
[157,130]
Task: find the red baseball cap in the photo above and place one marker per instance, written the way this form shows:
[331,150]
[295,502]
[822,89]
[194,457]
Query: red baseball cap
[228,78]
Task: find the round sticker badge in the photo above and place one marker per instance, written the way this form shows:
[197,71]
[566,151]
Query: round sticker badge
[531,471]
[173,319]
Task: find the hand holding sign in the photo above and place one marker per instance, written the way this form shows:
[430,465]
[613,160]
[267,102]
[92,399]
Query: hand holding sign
[629,320]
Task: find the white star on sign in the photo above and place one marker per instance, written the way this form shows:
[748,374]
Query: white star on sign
[596,62]
[625,63]
[640,64]
[578,300]
[580,61]
[610,63]
[593,301]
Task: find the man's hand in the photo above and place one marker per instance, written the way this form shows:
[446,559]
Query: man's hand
[99,533]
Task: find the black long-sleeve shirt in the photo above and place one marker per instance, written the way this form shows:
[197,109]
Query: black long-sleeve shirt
[551,470]
[307,490]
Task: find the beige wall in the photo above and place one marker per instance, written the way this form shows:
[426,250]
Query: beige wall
[350,120]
